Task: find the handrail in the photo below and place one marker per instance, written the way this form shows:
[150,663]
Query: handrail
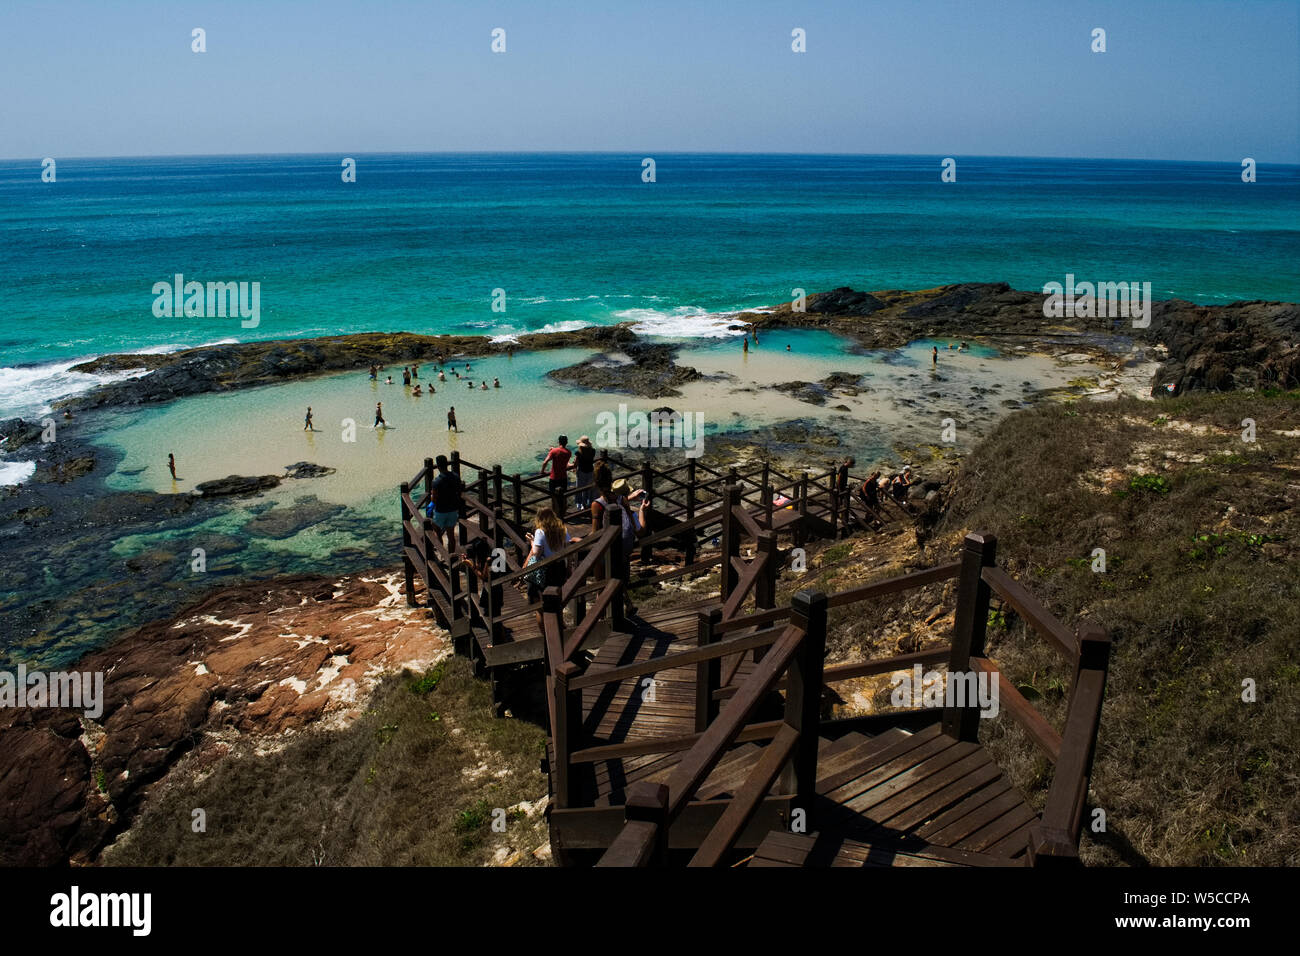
[701,759]
[583,631]
[678,659]
[1035,725]
[903,582]
[604,539]
[1028,607]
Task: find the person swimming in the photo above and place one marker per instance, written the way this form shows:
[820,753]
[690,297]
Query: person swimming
[496,383]
[483,387]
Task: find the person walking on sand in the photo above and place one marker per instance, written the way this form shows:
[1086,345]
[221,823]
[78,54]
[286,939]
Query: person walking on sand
[451,420]
[171,465]
[379,415]
[306,426]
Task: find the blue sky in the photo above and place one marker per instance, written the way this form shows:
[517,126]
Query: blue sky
[1181,79]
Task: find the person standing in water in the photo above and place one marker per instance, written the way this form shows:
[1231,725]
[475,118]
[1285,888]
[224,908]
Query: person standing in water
[306,425]
[934,355]
[171,465]
[746,344]
[496,383]
[406,375]
[415,372]
[374,372]
[451,420]
[379,415]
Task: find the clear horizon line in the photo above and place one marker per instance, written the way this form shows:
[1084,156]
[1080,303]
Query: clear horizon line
[613,152]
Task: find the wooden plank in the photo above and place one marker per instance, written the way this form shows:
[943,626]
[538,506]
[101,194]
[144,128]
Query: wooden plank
[964,826]
[898,662]
[597,827]
[974,797]
[851,790]
[879,753]
[936,792]
[989,834]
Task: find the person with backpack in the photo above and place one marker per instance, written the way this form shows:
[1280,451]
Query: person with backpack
[612,508]
[446,503]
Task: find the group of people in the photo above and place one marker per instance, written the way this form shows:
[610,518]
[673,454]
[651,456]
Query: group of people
[610,503]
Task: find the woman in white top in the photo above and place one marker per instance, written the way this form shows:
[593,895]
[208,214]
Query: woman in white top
[549,537]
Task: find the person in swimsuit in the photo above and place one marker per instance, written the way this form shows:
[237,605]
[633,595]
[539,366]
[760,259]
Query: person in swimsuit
[379,415]
[451,420]
[307,421]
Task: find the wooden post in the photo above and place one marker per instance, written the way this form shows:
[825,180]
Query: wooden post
[801,534]
[617,563]
[708,674]
[455,463]
[690,510]
[648,483]
[429,471]
[804,696]
[648,802]
[453,596]
[517,490]
[408,569]
[834,504]
[497,501]
[567,732]
[970,621]
[765,493]
[765,586]
[730,540]
[498,541]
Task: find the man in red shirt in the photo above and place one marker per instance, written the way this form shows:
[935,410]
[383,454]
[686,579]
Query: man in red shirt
[558,459]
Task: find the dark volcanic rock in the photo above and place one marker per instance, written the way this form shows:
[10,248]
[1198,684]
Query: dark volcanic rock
[652,373]
[18,433]
[305,469]
[810,392]
[844,301]
[235,485]
[1241,345]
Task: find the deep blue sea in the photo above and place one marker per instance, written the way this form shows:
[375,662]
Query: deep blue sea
[419,242]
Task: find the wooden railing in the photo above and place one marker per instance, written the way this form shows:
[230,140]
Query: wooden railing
[792,741]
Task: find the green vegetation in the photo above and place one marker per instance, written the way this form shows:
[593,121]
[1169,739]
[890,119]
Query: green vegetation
[401,785]
[1201,593]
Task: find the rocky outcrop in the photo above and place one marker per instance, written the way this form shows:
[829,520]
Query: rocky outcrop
[1220,348]
[215,368]
[651,373]
[262,659]
[1241,345]
[237,486]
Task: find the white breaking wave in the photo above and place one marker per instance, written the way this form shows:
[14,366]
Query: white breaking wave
[16,472]
[683,322]
[571,325]
[30,389]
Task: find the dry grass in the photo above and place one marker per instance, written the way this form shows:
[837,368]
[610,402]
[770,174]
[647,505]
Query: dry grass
[414,781]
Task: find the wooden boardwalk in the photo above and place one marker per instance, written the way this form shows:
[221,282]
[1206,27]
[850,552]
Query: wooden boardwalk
[694,734]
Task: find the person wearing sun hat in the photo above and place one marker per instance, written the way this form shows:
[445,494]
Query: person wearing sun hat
[584,467]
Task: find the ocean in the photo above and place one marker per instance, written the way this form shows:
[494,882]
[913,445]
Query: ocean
[419,242]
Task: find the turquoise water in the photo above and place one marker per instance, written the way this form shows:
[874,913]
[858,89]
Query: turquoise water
[419,242]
